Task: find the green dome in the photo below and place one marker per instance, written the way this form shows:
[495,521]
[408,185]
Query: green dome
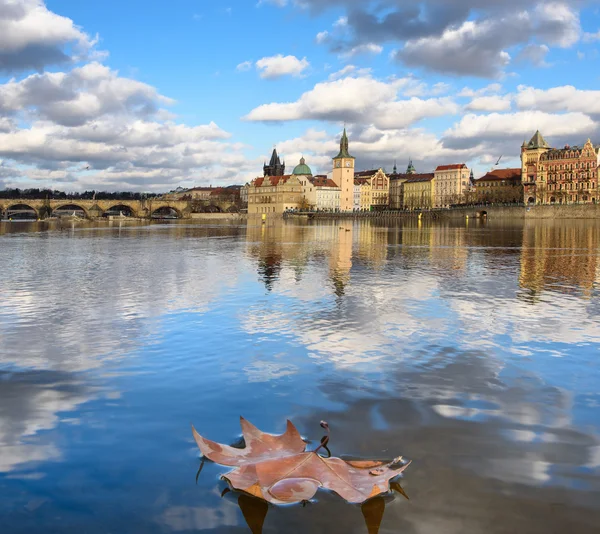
[303,169]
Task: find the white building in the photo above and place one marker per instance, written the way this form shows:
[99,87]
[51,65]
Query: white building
[356,205]
[450,184]
[320,192]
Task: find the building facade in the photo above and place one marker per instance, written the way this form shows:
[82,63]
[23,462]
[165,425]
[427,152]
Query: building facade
[418,191]
[374,189]
[499,186]
[274,195]
[559,176]
[343,174]
[566,176]
[357,188]
[397,180]
[451,182]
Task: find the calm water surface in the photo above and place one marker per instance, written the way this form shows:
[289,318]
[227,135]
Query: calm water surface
[473,350]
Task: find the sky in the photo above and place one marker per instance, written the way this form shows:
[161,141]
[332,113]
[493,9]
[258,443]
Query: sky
[152,95]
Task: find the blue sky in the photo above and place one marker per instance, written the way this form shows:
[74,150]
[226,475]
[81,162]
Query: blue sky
[152,95]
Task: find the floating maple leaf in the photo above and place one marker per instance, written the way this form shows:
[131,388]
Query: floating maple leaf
[279,470]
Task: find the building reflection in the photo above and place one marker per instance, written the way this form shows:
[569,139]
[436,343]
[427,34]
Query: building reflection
[560,256]
[283,246]
[340,262]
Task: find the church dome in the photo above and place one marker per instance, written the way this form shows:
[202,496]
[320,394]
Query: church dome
[303,169]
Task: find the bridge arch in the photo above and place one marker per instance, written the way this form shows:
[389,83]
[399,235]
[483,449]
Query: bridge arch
[21,211]
[68,208]
[120,208]
[165,211]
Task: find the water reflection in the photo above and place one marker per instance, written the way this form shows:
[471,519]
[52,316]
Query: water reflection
[255,510]
[472,349]
[560,256]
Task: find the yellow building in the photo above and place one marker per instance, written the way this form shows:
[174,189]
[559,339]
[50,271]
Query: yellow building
[375,189]
[418,191]
[396,199]
[274,195]
[343,174]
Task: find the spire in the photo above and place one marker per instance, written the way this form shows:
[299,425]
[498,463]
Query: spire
[411,168]
[538,141]
[395,168]
[472,177]
[344,147]
[275,167]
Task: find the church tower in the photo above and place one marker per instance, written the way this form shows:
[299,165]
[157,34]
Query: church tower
[343,174]
[275,167]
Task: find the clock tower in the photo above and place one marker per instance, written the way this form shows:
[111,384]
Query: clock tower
[343,174]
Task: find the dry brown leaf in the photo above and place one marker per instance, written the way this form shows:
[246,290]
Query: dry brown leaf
[279,470]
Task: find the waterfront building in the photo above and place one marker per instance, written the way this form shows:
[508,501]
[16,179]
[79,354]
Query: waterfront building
[418,191]
[451,182]
[274,195]
[343,174]
[396,198]
[375,189]
[244,194]
[500,185]
[320,192]
[357,188]
[326,194]
[559,176]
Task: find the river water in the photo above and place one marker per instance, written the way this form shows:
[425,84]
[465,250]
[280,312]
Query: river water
[471,349]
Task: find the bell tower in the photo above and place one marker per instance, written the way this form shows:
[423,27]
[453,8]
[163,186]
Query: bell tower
[343,174]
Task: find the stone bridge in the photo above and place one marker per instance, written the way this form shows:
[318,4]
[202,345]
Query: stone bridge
[98,208]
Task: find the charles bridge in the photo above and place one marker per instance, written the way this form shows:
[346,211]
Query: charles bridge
[147,208]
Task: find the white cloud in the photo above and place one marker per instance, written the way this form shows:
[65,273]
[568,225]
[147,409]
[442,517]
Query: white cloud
[591,37]
[244,66]
[322,37]
[83,94]
[362,100]
[279,65]
[534,54]
[487,90]
[565,98]
[366,48]
[477,129]
[350,70]
[482,47]
[490,103]
[32,37]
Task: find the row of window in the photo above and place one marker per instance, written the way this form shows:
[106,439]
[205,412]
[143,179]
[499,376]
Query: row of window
[572,186]
[570,166]
[582,176]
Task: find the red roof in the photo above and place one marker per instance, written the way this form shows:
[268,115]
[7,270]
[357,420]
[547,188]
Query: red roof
[501,174]
[453,167]
[322,181]
[366,174]
[274,180]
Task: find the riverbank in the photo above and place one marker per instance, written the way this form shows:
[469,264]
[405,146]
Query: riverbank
[572,211]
